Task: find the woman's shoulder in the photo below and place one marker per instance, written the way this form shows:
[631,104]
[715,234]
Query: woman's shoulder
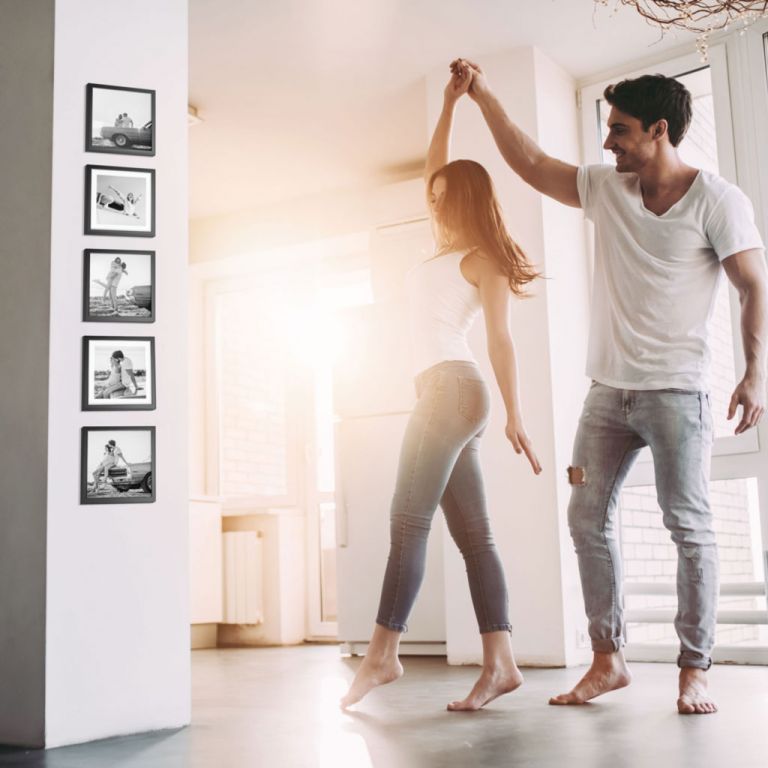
[482,263]
[477,267]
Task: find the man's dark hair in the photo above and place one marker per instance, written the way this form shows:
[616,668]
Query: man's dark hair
[118,355]
[654,97]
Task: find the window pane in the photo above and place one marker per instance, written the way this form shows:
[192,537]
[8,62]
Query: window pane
[699,149]
[650,556]
[252,376]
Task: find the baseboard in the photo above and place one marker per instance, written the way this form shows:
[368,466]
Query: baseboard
[406,649]
[203,636]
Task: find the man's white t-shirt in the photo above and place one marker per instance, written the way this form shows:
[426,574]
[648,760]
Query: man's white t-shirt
[656,277]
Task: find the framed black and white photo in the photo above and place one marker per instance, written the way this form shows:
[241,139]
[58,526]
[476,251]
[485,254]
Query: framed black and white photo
[119,201]
[118,373]
[118,465]
[119,120]
[118,286]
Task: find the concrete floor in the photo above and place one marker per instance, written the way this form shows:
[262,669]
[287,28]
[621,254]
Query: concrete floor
[277,708]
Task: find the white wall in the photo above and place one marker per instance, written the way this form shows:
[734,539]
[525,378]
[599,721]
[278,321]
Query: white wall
[303,220]
[117,597]
[568,294]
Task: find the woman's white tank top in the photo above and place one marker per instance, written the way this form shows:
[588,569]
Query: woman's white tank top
[443,305]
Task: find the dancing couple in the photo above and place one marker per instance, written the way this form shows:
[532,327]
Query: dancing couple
[663,230]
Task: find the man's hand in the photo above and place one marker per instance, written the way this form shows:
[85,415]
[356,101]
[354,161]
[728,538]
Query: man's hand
[521,442]
[750,394]
[479,83]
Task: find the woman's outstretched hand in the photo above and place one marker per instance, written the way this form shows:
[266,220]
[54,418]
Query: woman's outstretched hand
[457,86]
[478,84]
[517,435]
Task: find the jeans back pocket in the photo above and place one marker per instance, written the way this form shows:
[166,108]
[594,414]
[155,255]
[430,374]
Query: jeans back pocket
[474,400]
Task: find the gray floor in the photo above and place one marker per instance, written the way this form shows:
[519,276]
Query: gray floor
[277,707]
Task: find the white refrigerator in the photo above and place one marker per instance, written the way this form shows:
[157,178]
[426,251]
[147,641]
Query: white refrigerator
[374,395]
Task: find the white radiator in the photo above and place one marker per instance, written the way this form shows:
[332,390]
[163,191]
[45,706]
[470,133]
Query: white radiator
[243,580]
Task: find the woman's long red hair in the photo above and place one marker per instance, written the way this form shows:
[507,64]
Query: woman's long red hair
[469,213]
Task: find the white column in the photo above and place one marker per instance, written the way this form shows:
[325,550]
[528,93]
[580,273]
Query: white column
[528,512]
[102,648]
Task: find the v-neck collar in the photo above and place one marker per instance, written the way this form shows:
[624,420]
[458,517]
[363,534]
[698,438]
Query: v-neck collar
[671,207]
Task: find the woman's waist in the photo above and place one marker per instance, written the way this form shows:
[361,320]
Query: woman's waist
[464,368]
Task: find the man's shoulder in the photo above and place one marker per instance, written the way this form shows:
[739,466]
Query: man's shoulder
[606,176]
[718,192]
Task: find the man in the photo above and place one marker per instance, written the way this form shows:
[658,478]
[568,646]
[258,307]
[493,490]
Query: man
[662,229]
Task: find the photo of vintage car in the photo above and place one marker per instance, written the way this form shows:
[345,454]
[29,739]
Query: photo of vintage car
[139,477]
[124,137]
[117,465]
[142,296]
[120,120]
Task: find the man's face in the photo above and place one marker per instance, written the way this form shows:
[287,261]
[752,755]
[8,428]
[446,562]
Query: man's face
[631,145]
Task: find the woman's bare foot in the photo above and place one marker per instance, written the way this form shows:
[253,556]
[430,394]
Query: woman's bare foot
[380,665]
[608,672]
[491,684]
[500,674]
[694,697]
[370,674]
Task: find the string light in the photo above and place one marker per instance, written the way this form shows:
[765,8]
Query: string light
[703,17]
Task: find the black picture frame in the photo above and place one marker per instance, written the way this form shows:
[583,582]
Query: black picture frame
[90,204]
[89,403]
[131,137]
[141,299]
[140,480]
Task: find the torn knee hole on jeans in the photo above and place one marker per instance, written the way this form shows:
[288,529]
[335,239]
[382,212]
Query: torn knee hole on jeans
[695,571]
[577,475]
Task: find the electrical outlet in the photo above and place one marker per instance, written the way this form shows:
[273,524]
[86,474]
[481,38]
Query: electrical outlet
[582,638]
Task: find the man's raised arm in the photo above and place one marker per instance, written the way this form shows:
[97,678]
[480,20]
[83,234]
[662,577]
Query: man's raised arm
[544,173]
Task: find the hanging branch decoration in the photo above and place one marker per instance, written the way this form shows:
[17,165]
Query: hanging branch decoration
[703,17]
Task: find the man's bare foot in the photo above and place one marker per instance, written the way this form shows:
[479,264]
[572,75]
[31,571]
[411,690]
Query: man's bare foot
[694,698]
[372,673]
[491,684]
[608,672]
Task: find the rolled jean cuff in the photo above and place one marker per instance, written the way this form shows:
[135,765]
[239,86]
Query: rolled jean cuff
[495,628]
[694,659]
[608,645]
[393,625]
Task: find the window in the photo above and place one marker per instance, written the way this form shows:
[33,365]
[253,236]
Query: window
[254,401]
[650,559]
[272,335]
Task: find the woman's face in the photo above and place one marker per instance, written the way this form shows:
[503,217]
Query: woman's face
[437,194]
[436,197]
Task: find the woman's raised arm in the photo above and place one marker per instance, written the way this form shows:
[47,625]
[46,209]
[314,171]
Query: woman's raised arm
[439,148]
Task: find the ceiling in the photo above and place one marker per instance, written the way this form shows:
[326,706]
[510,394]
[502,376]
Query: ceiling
[301,97]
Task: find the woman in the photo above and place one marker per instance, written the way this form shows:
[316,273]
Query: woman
[477,265]
[111,455]
[125,204]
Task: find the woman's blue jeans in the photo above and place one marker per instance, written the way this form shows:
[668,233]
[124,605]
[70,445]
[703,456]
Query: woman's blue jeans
[439,464]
